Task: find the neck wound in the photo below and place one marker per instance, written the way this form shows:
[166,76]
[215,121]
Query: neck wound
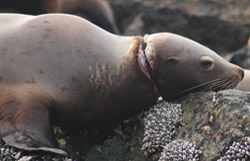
[146,66]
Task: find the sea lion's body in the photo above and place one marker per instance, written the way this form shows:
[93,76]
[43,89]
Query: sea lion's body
[61,69]
[74,68]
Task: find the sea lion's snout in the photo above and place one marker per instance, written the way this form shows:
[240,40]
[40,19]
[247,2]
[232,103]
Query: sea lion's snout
[238,71]
[241,71]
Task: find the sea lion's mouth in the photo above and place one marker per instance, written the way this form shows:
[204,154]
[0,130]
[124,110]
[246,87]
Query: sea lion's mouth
[213,85]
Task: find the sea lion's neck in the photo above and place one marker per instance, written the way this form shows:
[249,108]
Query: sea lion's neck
[146,66]
[142,79]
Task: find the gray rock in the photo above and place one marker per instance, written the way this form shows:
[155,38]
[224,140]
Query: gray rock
[211,123]
[219,33]
[241,57]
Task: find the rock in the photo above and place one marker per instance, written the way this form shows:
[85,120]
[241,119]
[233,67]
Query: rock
[229,10]
[105,144]
[219,33]
[241,57]
[211,123]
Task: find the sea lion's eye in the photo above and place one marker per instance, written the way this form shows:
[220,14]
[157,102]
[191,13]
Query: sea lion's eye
[206,62]
[172,59]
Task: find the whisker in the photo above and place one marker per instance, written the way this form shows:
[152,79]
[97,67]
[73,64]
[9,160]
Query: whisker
[195,87]
[210,88]
[236,83]
[226,84]
[215,86]
[233,84]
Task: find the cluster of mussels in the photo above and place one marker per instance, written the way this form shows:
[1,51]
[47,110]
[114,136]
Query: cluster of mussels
[180,150]
[239,150]
[9,153]
[160,123]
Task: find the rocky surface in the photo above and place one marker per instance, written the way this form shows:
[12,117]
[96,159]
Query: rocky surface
[228,10]
[241,57]
[212,121]
[209,22]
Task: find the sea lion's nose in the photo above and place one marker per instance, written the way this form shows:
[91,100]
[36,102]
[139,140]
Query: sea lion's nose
[241,71]
[238,71]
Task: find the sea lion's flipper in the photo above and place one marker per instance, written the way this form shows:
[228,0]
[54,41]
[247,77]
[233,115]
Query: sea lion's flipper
[25,123]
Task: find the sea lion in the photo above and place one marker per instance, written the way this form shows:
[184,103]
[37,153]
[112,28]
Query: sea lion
[61,69]
[97,11]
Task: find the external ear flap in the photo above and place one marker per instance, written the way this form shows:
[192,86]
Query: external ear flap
[173,59]
[25,123]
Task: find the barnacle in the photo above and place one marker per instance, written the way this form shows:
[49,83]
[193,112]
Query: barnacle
[180,150]
[239,150]
[160,123]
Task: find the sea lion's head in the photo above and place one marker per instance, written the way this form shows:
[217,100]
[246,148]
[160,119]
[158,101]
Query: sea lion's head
[183,66]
